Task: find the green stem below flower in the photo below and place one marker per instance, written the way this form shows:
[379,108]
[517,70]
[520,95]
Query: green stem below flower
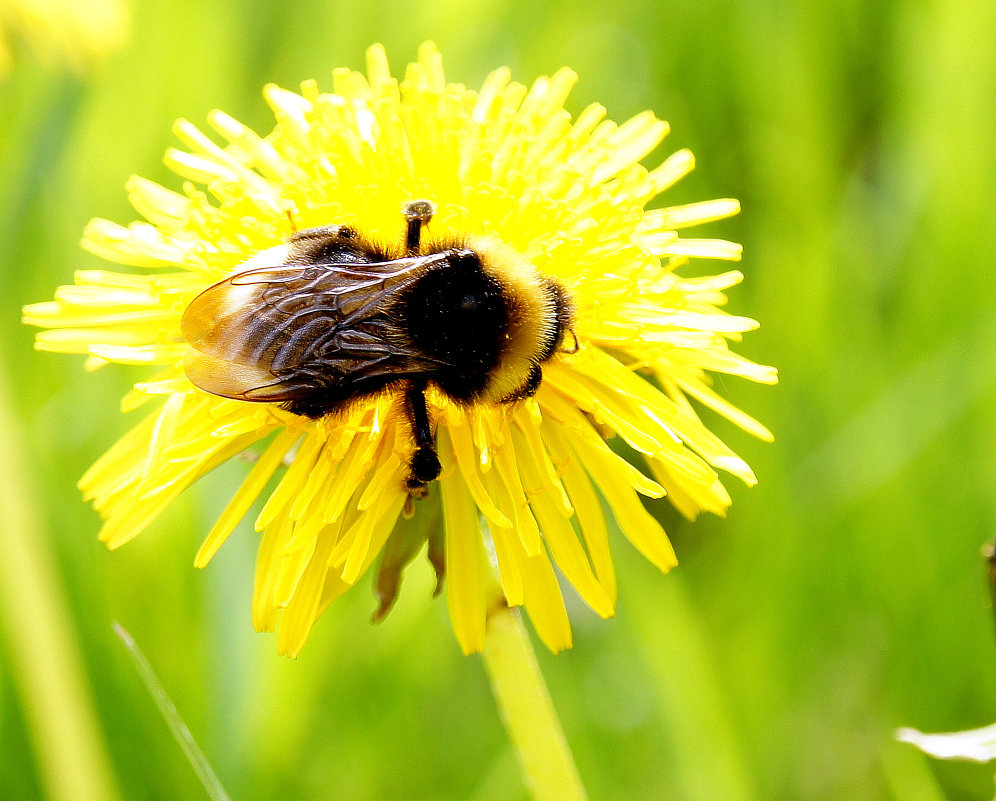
[527,711]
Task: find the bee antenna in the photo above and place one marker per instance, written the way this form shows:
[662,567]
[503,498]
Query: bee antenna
[417,213]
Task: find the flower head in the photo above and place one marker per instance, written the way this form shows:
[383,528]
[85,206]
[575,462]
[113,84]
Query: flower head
[536,475]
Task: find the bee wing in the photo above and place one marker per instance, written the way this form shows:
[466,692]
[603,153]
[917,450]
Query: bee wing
[238,381]
[279,333]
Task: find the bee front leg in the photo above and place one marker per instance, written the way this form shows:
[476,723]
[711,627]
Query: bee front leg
[425,463]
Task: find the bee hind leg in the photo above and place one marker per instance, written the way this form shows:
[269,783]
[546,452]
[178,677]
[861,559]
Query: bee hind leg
[424,467]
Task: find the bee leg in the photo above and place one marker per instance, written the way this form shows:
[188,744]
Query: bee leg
[577,345]
[417,213]
[425,463]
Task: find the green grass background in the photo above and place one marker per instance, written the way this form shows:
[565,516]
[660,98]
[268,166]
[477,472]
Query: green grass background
[842,597]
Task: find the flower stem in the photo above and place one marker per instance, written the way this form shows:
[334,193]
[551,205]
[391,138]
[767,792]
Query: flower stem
[527,711]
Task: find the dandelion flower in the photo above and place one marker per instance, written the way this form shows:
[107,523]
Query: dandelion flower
[525,487]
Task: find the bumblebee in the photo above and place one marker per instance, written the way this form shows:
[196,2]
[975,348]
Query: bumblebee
[330,317]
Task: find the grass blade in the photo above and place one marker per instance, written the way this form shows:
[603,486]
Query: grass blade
[169,712]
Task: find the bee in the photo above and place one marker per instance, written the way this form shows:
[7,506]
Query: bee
[330,317]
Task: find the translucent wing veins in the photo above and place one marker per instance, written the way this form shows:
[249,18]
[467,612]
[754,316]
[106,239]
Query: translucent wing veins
[286,332]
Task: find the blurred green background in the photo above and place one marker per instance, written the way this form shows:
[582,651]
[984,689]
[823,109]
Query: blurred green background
[842,597]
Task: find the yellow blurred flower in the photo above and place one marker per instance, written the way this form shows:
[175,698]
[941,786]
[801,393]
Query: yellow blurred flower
[76,32]
[536,476]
